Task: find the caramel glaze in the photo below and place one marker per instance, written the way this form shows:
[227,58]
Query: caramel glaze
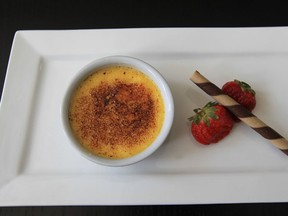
[116,119]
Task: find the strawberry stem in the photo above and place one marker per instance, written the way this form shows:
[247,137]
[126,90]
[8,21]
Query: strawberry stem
[205,114]
[245,86]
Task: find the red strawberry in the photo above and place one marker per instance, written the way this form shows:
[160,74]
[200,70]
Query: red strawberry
[211,123]
[241,92]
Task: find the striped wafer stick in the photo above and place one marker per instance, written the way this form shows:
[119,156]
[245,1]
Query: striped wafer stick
[241,112]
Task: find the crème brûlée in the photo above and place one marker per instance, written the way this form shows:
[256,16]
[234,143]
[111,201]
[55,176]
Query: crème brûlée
[116,112]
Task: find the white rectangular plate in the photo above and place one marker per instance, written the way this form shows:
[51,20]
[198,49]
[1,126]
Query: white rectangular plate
[39,167]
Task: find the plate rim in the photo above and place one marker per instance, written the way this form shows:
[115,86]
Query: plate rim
[16,177]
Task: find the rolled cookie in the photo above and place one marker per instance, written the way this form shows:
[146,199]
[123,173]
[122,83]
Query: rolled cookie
[241,112]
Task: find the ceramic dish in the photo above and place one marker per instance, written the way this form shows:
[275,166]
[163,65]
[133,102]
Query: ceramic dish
[38,167]
[149,71]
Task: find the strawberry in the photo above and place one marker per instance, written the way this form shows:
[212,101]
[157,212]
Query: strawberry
[211,123]
[241,92]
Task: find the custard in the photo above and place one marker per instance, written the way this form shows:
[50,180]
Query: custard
[116,112]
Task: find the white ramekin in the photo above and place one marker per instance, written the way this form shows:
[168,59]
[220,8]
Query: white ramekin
[150,72]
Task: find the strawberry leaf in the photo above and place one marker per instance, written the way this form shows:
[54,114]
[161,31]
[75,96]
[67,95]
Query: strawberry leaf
[245,86]
[206,121]
[206,114]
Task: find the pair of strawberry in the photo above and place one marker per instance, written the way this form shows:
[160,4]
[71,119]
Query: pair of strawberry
[213,122]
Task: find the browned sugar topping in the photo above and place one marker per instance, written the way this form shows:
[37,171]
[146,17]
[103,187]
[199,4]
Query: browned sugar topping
[119,113]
